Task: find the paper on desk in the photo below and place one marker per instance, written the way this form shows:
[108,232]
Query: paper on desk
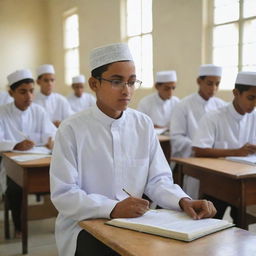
[24,158]
[161,131]
[35,150]
[250,159]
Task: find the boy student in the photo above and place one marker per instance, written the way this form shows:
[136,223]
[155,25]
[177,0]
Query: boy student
[230,130]
[158,106]
[55,105]
[23,125]
[130,158]
[188,112]
[79,100]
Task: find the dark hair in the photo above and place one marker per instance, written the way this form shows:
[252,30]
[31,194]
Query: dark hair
[23,81]
[39,77]
[242,87]
[202,77]
[97,72]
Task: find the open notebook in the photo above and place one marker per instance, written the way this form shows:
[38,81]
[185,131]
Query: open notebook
[251,159]
[35,150]
[172,224]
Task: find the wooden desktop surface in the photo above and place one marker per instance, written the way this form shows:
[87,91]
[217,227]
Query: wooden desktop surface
[232,182]
[229,242]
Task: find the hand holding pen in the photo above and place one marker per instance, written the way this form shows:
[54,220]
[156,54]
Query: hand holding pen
[130,207]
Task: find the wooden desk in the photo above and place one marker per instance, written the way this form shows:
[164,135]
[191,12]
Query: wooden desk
[233,241]
[234,183]
[33,177]
[165,144]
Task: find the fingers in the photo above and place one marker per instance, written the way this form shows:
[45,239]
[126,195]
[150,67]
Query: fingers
[207,211]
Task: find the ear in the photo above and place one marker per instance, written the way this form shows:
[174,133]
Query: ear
[235,92]
[10,92]
[198,80]
[157,86]
[93,83]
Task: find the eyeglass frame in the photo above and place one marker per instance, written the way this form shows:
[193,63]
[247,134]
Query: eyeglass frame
[121,84]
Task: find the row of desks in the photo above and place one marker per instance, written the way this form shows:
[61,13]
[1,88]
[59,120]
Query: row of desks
[233,182]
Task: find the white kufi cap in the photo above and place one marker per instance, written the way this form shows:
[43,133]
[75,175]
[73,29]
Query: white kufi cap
[166,76]
[19,75]
[78,79]
[246,78]
[45,69]
[109,54]
[210,70]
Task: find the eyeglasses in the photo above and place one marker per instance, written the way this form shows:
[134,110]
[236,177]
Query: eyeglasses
[118,84]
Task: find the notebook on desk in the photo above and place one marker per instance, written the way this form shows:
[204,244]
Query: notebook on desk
[172,224]
[251,159]
[35,150]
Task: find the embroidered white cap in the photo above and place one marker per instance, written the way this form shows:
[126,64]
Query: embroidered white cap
[246,78]
[108,54]
[210,70]
[19,75]
[166,76]
[78,79]
[45,69]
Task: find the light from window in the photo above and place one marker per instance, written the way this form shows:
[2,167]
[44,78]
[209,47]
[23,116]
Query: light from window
[139,33]
[71,46]
[249,8]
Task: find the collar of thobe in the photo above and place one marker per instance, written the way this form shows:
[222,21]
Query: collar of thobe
[106,120]
[159,100]
[18,112]
[45,97]
[201,100]
[234,113]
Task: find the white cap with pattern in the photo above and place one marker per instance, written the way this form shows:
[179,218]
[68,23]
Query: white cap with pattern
[166,76]
[210,70]
[45,69]
[246,78]
[19,75]
[78,79]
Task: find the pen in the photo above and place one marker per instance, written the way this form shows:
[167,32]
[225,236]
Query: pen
[127,192]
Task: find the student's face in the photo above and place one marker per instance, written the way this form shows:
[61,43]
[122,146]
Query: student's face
[165,90]
[208,86]
[112,101]
[78,89]
[46,83]
[245,102]
[23,95]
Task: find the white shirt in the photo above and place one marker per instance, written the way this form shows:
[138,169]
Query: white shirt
[226,129]
[78,104]
[157,109]
[55,105]
[184,121]
[16,125]
[98,156]
[5,98]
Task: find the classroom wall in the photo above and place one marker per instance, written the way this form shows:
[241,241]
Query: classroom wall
[23,36]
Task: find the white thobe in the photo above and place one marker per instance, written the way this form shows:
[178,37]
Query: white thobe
[157,109]
[5,98]
[184,123]
[94,158]
[17,125]
[225,128]
[78,104]
[55,105]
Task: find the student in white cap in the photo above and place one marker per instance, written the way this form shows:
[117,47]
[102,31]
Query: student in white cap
[131,158]
[188,112]
[5,98]
[55,105]
[23,125]
[230,130]
[158,106]
[79,100]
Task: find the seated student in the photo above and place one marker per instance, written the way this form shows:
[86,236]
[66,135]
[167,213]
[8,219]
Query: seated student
[55,105]
[230,130]
[23,125]
[158,106]
[188,112]
[105,149]
[5,98]
[79,100]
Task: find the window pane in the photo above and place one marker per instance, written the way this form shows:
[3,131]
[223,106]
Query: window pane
[71,32]
[71,65]
[146,16]
[225,56]
[225,11]
[147,61]
[225,35]
[249,8]
[133,17]
[135,47]
[228,78]
[249,44]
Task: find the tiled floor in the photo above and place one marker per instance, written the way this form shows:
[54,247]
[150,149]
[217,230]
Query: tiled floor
[41,238]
